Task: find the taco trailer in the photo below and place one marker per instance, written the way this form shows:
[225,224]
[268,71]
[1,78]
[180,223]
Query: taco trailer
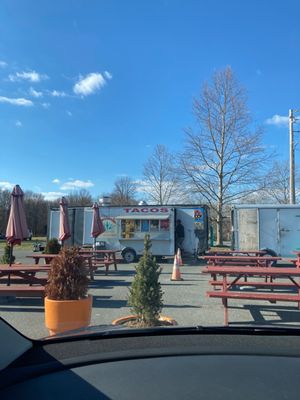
[125,228]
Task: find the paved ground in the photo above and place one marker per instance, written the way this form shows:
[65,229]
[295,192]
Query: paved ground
[184,300]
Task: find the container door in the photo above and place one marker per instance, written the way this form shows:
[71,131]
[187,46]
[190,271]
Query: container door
[268,229]
[247,229]
[289,231]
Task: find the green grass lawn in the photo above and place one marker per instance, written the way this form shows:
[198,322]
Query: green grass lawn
[25,245]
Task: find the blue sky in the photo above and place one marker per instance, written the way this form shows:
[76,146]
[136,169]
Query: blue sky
[88,88]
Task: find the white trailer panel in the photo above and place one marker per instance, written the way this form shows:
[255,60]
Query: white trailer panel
[275,227]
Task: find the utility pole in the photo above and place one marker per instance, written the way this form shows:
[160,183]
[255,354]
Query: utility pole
[292,159]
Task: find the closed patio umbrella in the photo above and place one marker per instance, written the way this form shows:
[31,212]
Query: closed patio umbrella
[97,224]
[64,227]
[16,229]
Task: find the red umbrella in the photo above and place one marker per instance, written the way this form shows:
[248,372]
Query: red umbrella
[17,229]
[97,225]
[64,227]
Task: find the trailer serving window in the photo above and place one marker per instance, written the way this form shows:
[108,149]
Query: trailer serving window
[135,227]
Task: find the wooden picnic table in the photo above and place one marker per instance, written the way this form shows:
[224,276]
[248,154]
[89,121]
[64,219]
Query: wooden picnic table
[237,252]
[49,257]
[24,271]
[240,271]
[31,284]
[109,257]
[240,260]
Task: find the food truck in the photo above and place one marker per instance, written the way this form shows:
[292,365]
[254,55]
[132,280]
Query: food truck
[126,226]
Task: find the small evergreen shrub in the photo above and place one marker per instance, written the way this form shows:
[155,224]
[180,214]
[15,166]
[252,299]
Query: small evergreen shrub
[68,276]
[145,293]
[5,259]
[52,247]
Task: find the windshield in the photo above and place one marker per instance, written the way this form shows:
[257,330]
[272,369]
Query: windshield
[149,164]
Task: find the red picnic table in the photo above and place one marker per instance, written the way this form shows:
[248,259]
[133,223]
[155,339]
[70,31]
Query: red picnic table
[31,284]
[240,260]
[49,257]
[229,252]
[109,257]
[239,272]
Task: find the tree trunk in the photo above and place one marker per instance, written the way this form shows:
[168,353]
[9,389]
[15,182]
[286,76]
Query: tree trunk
[220,224]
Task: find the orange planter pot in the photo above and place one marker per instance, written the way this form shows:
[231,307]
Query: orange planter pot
[129,318]
[64,315]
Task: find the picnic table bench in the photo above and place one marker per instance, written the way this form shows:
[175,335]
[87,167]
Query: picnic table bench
[102,258]
[239,272]
[240,260]
[229,252]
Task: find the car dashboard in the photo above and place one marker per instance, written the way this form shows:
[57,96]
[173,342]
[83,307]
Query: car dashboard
[231,364]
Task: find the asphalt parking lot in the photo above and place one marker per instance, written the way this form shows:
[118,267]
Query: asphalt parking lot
[185,301]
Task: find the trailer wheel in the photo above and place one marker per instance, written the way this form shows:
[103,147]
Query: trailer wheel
[129,255]
[270,253]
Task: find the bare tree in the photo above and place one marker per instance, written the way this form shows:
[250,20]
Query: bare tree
[276,188]
[223,159]
[277,182]
[80,198]
[4,209]
[36,208]
[160,177]
[124,191]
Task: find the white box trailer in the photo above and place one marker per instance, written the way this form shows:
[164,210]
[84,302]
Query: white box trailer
[125,228]
[273,227]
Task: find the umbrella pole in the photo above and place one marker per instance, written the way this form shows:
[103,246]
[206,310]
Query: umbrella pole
[10,254]
[10,261]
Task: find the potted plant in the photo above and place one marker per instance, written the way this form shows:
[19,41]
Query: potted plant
[67,305]
[52,247]
[145,294]
[5,259]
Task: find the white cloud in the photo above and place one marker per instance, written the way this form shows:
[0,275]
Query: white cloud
[56,181]
[52,195]
[57,93]
[278,120]
[19,124]
[31,76]
[35,93]
[46,105]
[76,184]
[3,64]
[6,185]
[16,102]
[89,84]
[107,75]
[69,113]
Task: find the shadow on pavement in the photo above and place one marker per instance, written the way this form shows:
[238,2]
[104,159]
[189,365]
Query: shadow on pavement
[107,284]
[98,302]
[176,283]
[285,314]
[180,306]
[21,309]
